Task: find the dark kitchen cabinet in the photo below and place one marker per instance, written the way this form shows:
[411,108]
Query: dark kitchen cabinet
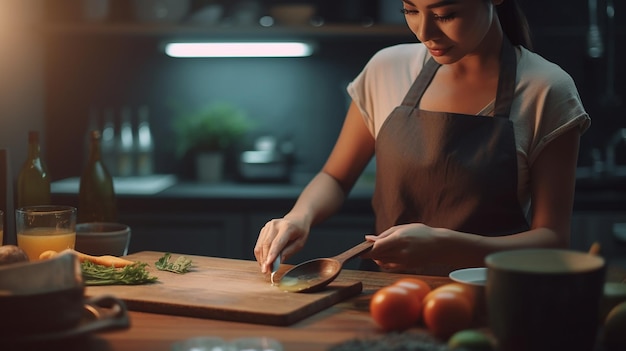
[204,234]
[233,234]
[331,32]
[337,19]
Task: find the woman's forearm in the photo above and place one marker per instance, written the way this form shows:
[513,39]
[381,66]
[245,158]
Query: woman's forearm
[470,248]
[322,197]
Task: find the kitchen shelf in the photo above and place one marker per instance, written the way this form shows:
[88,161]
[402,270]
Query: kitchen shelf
[380,31]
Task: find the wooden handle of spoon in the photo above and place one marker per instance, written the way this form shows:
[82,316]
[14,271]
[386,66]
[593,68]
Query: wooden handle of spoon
[355,251]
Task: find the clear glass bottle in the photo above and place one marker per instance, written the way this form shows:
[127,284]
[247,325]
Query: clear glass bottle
[96,195]
[33,182]
[145,144]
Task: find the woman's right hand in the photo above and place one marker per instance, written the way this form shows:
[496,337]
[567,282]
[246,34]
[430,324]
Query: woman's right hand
[284,236]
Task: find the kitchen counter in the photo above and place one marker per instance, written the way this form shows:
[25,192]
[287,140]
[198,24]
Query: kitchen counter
[188,195]
[591,195]
[339,323]
[587,197]
[346,320]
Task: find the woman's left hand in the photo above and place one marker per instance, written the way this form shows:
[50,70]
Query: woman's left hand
[404,246]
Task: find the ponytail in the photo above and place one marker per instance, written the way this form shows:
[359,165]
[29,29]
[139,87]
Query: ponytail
[514,23]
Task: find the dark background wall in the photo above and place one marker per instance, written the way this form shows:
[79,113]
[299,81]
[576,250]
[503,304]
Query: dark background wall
[302,98]
[21,77]
[560,29]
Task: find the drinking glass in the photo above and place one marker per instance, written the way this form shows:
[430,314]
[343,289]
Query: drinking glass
[43,228]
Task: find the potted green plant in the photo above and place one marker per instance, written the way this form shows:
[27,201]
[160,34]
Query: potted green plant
[207,133]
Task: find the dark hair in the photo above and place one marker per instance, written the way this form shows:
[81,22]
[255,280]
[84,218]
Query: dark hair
[514,23]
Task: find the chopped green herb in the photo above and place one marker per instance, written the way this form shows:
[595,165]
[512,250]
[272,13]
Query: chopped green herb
[180,266]
[134,274]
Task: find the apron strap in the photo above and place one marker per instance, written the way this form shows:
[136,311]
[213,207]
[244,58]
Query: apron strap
[420,84]
[506,81]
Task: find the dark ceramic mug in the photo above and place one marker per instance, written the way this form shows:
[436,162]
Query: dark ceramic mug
[41,296]
[544,299]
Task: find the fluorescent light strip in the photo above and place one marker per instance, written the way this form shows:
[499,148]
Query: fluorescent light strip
[243,49]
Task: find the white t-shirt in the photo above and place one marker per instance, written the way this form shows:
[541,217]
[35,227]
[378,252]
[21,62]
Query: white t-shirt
[546,102]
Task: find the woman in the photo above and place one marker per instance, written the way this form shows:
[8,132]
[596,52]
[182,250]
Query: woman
[469,129]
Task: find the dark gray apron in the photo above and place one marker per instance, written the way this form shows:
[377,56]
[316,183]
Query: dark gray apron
[450,170]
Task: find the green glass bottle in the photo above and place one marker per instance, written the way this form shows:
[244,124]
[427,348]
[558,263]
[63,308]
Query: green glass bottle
[96,195]
[33,182]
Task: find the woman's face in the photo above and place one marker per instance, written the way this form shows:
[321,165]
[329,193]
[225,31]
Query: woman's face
[450,29]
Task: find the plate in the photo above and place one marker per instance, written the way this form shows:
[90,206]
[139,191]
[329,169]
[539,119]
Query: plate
[100,313]
[471,276]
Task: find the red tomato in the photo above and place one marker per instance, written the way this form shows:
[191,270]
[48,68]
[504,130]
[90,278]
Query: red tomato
[416,285]
[395,308]
[447,312]
[466,290]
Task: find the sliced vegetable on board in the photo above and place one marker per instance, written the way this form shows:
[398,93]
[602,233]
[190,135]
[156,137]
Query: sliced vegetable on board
[181,265]
[108,270]
[133,274]
[107,260]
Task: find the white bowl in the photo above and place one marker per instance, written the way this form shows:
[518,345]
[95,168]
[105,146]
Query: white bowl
[476,279]
[99,238]
[471,276]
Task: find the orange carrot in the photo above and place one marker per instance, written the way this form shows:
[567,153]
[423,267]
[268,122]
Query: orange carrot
[107,260]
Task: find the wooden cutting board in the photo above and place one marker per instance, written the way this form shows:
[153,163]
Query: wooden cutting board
[225,289]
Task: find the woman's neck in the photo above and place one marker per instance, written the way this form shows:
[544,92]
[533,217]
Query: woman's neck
[482,62]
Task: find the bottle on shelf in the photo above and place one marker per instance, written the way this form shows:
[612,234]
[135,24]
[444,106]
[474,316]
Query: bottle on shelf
[33,182]
[125,145]
[96,194]
[145,144]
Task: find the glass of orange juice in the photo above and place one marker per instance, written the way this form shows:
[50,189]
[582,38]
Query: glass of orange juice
[46,227]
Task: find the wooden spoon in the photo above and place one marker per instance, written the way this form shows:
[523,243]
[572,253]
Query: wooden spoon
[314,275]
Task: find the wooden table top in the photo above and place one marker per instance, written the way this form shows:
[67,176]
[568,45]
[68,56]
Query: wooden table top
[339,323]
